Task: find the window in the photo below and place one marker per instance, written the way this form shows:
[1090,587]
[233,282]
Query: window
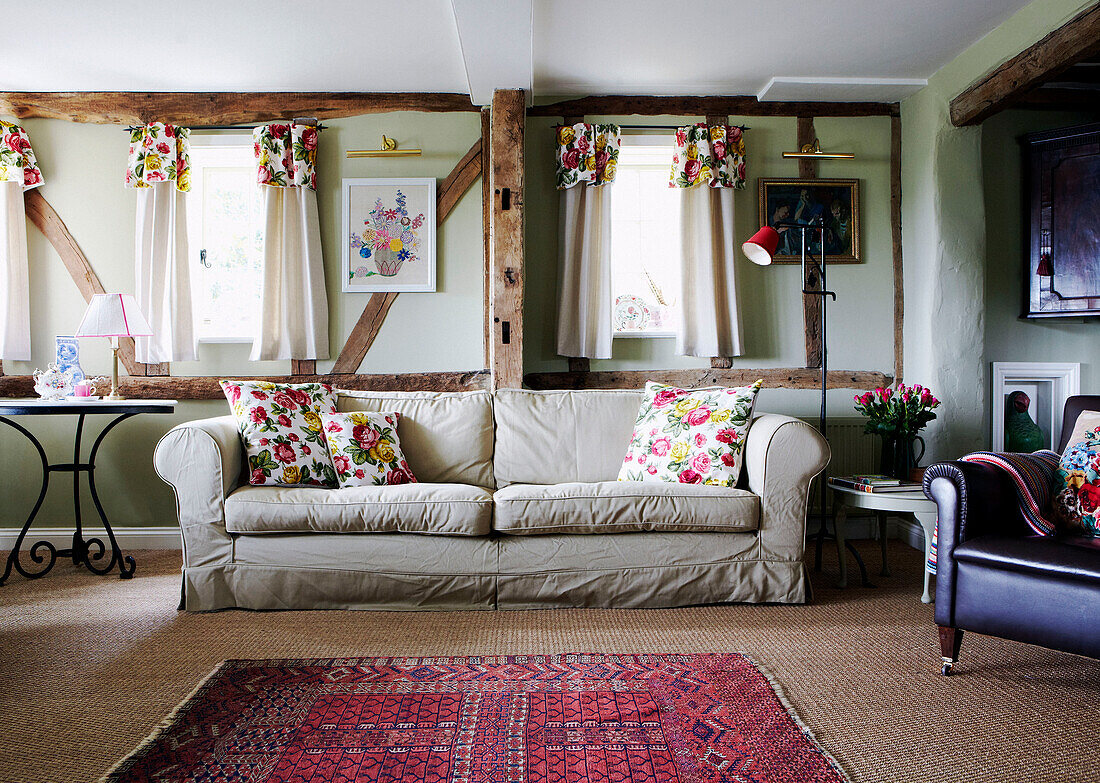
[645,240]
[224,219]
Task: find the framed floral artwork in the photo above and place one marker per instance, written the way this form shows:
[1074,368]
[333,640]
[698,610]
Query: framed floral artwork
[388,235]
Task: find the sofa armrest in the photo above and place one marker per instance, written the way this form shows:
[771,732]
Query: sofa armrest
[972,499]
[782,456]
[201,461]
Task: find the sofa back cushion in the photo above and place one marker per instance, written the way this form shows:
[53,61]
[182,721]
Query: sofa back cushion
[553,437]
[447,437]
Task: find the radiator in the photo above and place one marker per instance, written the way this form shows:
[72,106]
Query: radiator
[854,451]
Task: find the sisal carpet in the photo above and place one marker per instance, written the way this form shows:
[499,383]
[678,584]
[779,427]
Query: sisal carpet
[90,665]
[576,718]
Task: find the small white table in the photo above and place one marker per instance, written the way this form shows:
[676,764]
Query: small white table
[913,503]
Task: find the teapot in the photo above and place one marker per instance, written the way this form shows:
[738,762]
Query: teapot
[53,383]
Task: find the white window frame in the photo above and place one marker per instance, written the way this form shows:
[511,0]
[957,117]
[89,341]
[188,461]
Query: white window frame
[658,138]
[242,139]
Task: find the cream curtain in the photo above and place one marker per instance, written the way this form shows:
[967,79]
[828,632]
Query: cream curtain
[162,278]
[15,311]
[587,156]
[584,301]
[294,310]
[711,321]
[18,172]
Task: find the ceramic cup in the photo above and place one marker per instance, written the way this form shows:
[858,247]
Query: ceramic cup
[83,388]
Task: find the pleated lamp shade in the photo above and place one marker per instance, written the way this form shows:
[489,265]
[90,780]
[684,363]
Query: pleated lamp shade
[761,246]
[113,315]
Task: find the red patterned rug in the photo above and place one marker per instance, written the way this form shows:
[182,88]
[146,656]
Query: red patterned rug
[494,719]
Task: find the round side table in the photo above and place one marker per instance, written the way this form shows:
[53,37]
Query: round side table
[90,552]
[912,503]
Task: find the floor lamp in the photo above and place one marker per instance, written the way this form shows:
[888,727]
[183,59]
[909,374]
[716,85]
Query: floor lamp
[761,249]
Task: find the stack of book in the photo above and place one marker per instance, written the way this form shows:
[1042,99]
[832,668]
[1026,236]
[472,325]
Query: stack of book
[873,482]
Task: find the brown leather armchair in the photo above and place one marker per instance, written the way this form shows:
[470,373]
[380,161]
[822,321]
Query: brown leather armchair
[994,576]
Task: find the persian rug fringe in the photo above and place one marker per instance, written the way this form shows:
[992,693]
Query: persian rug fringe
[166,723]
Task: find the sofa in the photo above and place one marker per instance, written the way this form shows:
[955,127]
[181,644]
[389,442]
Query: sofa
[517,506]
[994,576]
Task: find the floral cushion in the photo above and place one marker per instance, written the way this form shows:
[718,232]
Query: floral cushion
[281,428]
[691,436]
[1077,488]
[365,449]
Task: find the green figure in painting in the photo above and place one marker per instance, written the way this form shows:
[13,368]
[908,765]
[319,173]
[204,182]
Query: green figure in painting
[1022,434]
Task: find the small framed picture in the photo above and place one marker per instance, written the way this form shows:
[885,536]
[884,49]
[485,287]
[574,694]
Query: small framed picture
[1028,398]
[784,201]
[388,235]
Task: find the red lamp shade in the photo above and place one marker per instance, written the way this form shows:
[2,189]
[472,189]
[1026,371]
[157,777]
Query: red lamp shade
[762,246]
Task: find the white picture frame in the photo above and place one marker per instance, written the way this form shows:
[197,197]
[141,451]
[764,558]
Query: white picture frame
[1048,384]
[408,263]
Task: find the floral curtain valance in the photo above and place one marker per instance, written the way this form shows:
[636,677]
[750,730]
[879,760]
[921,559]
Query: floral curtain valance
[587,154]
[17,162]
[159,152]
[712,155]
[286,155]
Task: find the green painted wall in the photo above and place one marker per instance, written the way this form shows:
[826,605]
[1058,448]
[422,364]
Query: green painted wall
[1008,338]
[860,323]
[944,233]
[83,166]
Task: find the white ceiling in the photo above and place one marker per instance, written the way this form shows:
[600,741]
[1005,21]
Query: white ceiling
[558,47]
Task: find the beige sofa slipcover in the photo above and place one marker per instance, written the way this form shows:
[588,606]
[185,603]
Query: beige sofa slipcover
[517,506]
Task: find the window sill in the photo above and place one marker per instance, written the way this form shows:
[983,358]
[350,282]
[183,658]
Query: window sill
[226,340]
[636,335]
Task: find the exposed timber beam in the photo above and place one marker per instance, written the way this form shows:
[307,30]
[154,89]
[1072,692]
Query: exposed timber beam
[702,105]
[811,303]
[1076,40]
[896,247]
[208,388]
[776,378]
[506,129]
[219,108]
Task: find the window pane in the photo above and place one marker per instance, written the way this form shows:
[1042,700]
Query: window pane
[227,227]
[645,243]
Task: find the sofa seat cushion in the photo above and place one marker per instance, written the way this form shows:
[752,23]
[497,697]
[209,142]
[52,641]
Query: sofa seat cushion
[1076,558]
[437,509]
[623,507]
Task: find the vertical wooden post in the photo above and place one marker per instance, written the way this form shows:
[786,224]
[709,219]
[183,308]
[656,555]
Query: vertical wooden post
[895,239]
[506,129]
[303,366]
[811,305]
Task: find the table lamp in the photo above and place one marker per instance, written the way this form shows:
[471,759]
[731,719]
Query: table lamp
[114,316]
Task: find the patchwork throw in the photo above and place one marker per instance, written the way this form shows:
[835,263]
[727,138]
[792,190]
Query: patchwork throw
[503,719]
[1034,476]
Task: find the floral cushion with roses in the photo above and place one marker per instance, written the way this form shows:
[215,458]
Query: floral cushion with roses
[1077,490]
[690,436]
[282,431]
[365,449]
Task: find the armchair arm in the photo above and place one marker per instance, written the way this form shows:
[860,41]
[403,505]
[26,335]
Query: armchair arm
[782,456]
[201,461]
[972,499]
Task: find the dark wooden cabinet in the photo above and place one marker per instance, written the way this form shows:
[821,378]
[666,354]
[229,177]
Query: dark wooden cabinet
[1062,197]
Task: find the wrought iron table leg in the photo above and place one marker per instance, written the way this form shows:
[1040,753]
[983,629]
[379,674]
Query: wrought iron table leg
[87,552]
[13,556]
[126,564]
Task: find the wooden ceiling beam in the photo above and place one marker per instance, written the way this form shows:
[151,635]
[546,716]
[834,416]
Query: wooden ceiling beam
[703,105]
[1076,40]
[220,108]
